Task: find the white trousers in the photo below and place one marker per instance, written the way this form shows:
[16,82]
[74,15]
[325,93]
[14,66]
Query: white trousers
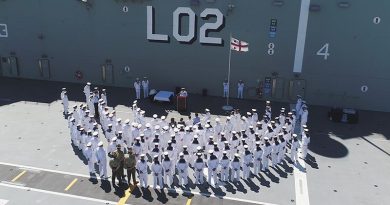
[168,175]
[235,174]
[138,93]
[225,93]
[225,174]
[256,166]
[157,179]
[199,176]
[240,94]
[213,174]
[143,180]
[103,169]
[183,177]
[146,92]
[245,171]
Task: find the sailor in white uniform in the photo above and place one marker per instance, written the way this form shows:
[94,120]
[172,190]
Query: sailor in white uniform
[225,88]
[137,87]
[145,86]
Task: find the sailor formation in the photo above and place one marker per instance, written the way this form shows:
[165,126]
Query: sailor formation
[228,149]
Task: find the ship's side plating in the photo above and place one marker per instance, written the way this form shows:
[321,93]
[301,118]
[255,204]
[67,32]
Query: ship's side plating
[344,61]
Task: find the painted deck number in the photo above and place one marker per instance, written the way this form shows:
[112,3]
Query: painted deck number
[3,31]
[324,51]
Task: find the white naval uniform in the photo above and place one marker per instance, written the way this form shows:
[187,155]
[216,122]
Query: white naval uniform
[65,103]
[145,86]
[168,171]
[305,144]
[198,166]
[257,155]
[88,152]
[235,169]
[225,89]
[225,162]
[87,92]
[102,161]
[182,167]
[240,88]
[294,151]
[137,87]
[157,170]
[142,168]
[246,170]
[212,169]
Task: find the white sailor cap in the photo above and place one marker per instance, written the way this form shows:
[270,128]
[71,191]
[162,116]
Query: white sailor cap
[198,148]
[110,125]
[234,132]
[155,116]
[304,126]
[87,111]
[224,152]
[198,154]
[74,106]
[100,144]
[207,110]
[81,129]
[217,119]
[256,133]
[289,113]
[272,122]
[79,125]
[100,100]
[228,118]
[257,143]
[195,136]
[211,137]
[294,135]
[113,112]
[166,127]
[89,144]
[187,128]
[72,119]
[243,118]
[266,138]
[211,151]
[268,102]
[88,83]
[138,109]
[147,125]
[119,120]
[280,134]
[245,146]
[95,134]
[166,153]
[142,112]
[157,127]
[185,147]
[225,142]
[248,113]
[254,110]
[135,102]
[207,126]
[236,155]
[155,144]
[306,130]
[181,154]
[127,121]
[250,127]
[114,139]
[176,130]
[139,126]
[89,131]
[169,142]
[222,133]
[142,155]
[111,115]
[120,132]
[155,156]
[173,135]
[163,117]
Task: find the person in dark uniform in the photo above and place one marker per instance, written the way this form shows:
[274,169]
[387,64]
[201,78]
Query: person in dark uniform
[115,166]
[95,100]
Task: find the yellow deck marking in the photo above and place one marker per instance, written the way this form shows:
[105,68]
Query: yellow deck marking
[71,184]
[189,201]
[127,195]
[19,175]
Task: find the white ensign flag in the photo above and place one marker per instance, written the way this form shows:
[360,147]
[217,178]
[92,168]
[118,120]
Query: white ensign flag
[237,45]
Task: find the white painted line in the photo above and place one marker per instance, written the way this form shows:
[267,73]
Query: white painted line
[46,170]
[3,202]
[58,194]
[87,176]
[301,189]
[301,38]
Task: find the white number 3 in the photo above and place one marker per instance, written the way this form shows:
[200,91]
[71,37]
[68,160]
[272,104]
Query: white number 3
[324,51]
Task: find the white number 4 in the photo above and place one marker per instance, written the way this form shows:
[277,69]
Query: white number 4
[324,51]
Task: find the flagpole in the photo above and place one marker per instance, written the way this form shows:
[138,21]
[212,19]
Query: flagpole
[227,107]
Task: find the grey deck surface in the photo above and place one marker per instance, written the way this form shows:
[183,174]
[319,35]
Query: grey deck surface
[348,164]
